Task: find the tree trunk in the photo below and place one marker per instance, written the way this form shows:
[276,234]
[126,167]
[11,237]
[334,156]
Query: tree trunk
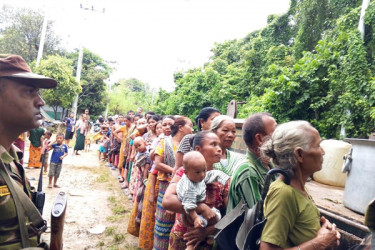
[55,111]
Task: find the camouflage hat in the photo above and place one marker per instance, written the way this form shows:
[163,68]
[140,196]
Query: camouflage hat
[15,67]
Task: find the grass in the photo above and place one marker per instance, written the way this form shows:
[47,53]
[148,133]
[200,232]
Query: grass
[103,177]
[114,236]
[114,218]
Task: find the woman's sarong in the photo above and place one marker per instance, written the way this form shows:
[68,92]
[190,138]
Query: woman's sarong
[34,157]
[133,180]
[137,183]
[133,226]
[146,232]
[163,221]
[139,199]
[80,141]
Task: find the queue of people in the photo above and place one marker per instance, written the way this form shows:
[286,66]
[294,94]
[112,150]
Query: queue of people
[182,183]
[160,160]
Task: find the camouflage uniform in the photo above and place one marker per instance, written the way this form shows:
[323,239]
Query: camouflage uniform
[9,229]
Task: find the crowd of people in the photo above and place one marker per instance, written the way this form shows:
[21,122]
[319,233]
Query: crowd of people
[181,184]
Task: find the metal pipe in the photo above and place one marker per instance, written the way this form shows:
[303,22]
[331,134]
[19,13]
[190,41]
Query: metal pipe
[344,220]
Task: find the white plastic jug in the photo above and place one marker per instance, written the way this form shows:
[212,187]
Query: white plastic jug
[333,160]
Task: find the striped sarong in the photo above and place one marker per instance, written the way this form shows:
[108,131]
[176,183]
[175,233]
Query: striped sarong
[163,221]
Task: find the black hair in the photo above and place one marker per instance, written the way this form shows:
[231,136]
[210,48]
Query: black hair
[48,133]
[127,117]
[154,117]
[59,134]
[169,116]
[253,125]
[204,114]
[150,113]
[101,119]
[198,138]
[130,111]
[181,121]
[139,115]
[110,119]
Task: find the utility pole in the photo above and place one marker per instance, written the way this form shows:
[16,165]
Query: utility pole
[80,59]
[78,79]
[42,38]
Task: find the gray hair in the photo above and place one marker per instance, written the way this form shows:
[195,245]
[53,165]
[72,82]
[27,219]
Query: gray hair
[285,139]
[216,122]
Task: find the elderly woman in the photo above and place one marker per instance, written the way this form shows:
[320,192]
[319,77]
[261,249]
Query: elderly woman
[225,128]
[208,144]
[293,220]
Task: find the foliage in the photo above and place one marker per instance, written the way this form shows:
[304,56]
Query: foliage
[61,70]
[20,33]
[128,95]
[309,63]
[93,75]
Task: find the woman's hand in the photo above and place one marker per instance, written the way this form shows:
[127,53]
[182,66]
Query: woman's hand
[197,235]
[328,236]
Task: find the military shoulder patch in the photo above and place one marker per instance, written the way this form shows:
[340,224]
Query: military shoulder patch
[4,190]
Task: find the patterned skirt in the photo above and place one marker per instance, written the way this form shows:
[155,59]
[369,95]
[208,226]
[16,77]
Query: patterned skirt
[146,232]
[34,157]
[133,180]
[163,221]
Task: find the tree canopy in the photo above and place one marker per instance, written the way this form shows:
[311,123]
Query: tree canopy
[61,70]
[307,64]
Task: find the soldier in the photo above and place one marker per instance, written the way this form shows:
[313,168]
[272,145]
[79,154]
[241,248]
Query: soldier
[20,105]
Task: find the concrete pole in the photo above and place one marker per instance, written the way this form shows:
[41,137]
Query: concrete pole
[42,39]
[78,79]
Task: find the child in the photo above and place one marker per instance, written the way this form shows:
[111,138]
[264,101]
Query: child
[60,150]
[191,189]
[143,163]
[103,146]
[44,153]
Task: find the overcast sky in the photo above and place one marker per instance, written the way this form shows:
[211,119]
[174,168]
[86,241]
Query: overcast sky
[151,39]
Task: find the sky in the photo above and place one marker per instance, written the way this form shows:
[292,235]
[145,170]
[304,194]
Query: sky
[151,39]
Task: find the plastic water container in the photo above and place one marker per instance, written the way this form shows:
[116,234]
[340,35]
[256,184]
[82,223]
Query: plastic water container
[360,187]
[331,173]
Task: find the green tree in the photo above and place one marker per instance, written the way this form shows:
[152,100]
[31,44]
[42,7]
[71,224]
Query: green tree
[94,73]
[61,70]
[129,94]
[20,31]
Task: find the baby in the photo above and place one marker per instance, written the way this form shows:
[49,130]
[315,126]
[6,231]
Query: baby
[191,189]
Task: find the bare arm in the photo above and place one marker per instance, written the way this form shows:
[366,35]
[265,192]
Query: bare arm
[178,162]
[161,166]
[117,133]
[327,238]
[146,168]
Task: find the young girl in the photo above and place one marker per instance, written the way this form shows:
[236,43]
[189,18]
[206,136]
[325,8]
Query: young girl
[103,147]
[44,153]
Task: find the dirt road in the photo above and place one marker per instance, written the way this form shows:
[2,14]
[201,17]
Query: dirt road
[98,211]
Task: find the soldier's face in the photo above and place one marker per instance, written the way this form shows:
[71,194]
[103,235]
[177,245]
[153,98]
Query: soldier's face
[20,106]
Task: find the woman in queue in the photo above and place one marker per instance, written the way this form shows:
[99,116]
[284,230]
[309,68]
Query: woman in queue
[164,163]
[203,121]
[208,144]
[225,128]
[293,220]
